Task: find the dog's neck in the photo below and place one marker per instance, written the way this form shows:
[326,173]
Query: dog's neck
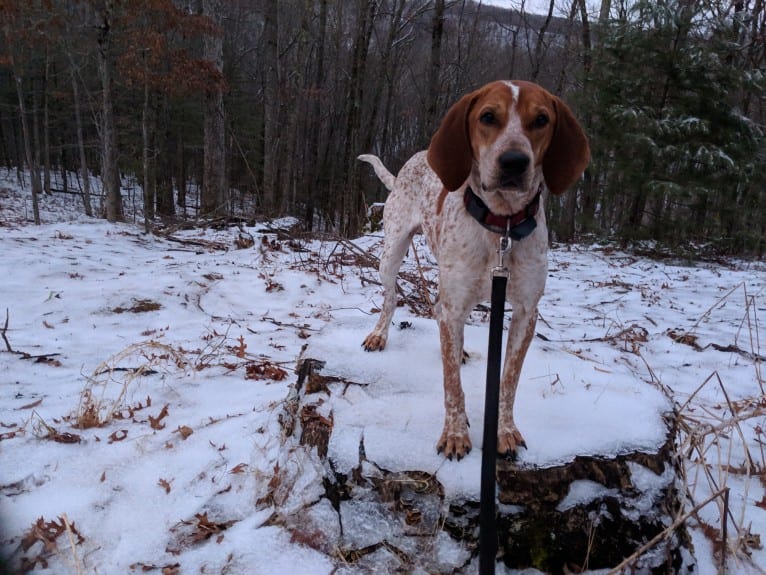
[517,226]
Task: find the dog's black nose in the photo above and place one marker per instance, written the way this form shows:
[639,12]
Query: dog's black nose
[513,163]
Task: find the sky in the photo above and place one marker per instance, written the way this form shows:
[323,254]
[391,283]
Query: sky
[541,6]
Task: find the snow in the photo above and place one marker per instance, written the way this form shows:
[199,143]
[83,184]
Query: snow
[140,489]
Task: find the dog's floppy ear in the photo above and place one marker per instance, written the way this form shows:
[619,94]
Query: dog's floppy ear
[449,154]
[568,154]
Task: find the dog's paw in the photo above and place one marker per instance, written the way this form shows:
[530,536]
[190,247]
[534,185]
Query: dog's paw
[454,443]
[374,342]
[509,440]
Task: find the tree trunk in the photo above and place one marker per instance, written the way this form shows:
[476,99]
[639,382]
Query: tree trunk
[349,204]
[110,173]
[537,64]
[180,171]
[214,200]
[34,173]
[46,129]
[434,69]
[272,132]
[147,133]
[81,143]
[586,43]
[606,7]
[314,149]
[162,164]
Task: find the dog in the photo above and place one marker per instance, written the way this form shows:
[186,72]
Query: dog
[483,176]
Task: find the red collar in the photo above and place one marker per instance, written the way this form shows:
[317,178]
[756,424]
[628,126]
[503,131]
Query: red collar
[517,226]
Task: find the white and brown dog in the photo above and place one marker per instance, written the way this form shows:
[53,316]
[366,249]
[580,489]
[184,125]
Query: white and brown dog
[483,174]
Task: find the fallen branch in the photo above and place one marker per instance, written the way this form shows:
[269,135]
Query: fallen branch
[208,244]
[43,357]
[736,349]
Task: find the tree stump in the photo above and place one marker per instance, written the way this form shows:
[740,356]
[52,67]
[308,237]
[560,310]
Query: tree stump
[588,513]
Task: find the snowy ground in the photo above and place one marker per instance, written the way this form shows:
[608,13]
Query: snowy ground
[140,404]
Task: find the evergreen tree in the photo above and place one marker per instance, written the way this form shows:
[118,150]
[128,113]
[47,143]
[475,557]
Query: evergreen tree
[676,157]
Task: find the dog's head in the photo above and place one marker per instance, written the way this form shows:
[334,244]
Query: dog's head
[505,138]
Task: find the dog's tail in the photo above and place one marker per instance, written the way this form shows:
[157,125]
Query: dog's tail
[384,175]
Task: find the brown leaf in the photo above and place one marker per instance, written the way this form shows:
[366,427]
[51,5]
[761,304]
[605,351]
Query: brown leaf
[103,477]
[205,528]
[173,569]
[64,437]
[264,370]
[9,434]
[165,484]
[240,349]
[184,431]
[46,532]
[118,435]
[240,468]
[156,422]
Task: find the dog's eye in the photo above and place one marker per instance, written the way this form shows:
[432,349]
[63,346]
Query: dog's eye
[488,118]
[541,120]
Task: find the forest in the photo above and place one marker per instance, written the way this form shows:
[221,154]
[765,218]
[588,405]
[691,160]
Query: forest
[258,108]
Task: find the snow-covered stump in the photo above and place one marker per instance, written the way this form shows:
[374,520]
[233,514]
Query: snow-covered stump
[379,512]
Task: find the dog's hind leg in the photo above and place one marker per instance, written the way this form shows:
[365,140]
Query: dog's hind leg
[394,249]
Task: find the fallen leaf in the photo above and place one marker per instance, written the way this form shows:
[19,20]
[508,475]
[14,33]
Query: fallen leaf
[118,435]
[64,437]
[156,422]
[240,468]
[165,484]
[184,431]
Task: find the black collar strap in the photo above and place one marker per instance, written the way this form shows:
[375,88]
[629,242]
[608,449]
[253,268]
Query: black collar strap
[518,225]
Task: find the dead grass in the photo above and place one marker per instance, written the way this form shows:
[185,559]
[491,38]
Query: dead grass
[716,445]
[106,392]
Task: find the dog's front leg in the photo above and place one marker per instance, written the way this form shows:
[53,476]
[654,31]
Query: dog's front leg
[454,441]
[522,328]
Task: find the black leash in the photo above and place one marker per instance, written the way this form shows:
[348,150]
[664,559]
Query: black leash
[487,509]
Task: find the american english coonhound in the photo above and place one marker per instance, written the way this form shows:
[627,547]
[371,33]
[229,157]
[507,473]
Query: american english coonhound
[484,172]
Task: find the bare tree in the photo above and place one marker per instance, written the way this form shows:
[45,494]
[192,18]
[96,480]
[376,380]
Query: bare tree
[110,172]
[80,141]
[214,199]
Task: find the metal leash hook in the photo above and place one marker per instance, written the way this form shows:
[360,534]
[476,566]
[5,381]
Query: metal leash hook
[488,542]
[505,247]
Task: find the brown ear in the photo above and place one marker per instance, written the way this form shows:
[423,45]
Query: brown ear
[568,154]
[449,154]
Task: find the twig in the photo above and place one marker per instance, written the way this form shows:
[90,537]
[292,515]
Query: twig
[664,533]
[5,329]
[724,530]
[77,564]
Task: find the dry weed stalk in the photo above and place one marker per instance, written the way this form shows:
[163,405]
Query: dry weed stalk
[105,393]
[717,447]
[78,566]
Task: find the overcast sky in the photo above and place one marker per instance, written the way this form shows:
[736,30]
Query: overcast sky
[541,6]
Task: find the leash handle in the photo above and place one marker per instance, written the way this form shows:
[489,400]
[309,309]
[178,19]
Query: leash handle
[487,508]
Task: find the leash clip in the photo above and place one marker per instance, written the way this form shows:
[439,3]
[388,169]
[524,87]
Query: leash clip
[505,246]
